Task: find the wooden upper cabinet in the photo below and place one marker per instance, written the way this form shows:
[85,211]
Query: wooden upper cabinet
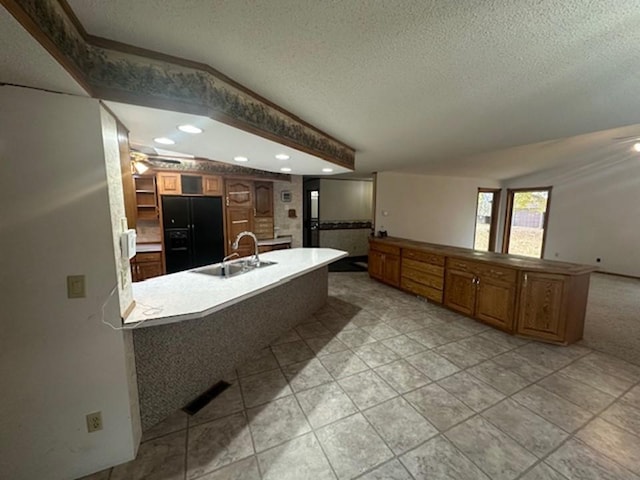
[168,183]
[542,305]
[212,185]
[239,193]
[263,199]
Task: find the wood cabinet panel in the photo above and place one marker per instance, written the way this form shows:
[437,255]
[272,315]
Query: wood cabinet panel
[432,294]
[391,270]
[239,220]
[375,262]
[495,302]
[212,185]
[239,193]
[263,227]
[384,248]
[263,199]
[146,265]
[428,279]
[421,256]
[460,291]
[168,183]
[423,267]
[542,305]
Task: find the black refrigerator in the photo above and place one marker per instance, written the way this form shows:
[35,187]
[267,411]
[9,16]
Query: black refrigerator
[193,231]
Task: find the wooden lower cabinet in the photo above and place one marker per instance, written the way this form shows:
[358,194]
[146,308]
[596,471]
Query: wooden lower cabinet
[460,291]
[481,296]
[146,265]
[384,265]
[543,306]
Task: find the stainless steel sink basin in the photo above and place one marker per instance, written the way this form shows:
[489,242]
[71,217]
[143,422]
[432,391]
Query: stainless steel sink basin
[232,269]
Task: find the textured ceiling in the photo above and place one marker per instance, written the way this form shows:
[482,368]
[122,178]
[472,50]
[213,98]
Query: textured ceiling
[23,61]
[419,85]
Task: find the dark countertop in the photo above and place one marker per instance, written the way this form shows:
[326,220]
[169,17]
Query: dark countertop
[517,262]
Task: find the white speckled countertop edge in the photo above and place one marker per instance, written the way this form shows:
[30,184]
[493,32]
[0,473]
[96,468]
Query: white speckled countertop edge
[189,295]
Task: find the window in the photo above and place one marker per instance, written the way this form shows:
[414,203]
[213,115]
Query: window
[486,219]
[526,221]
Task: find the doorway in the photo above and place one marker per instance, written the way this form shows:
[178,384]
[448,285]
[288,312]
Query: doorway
[526,221]
[311,214]
[487,219]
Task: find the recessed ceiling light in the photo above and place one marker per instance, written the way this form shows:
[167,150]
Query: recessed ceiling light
[241,159]
[327,170]
[164,141]
[282,156]
[636,147]
[285,169]
[189,129]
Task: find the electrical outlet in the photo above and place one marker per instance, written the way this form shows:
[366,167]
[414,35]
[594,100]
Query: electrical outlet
[75,286]
[94,422]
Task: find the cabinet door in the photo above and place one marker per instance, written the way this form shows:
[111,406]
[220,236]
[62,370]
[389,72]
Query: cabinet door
[212,185]
[376,261]
[239,220]
[239,193]
[149,270]
[391,270]
[542,306]
[169,183]
[264,199]
[495,302]
[460,291]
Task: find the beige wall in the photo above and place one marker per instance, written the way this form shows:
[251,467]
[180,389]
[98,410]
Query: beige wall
[594,213]
[58,362]
[345,200]
[285,224]
[428,208]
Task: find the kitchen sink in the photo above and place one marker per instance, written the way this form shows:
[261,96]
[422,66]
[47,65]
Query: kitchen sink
[232,269]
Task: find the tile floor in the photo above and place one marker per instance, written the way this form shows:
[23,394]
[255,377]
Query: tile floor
[382,385]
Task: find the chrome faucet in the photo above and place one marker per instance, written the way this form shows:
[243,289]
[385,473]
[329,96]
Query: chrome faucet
[224,262]
[256,262]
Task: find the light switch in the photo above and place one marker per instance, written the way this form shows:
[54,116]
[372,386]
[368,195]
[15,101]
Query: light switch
[75,286]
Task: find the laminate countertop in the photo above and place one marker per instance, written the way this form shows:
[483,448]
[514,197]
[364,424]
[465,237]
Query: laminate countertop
[517,262]
[274,241]
[187,295]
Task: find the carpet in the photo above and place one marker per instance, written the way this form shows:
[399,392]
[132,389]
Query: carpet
[612,323]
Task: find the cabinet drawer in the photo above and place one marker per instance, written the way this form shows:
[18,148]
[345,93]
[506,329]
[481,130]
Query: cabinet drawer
[497,273]
[422,290]
[423,267]
[385,248]
[423,256]
[418,276]
[149,257]
[462,265]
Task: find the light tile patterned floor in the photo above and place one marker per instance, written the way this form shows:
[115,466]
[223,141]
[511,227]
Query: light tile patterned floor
[382,385]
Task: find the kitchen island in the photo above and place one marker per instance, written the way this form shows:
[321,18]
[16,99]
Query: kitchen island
[190,329]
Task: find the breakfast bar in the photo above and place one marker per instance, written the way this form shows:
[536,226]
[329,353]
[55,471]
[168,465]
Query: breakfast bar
[190,329]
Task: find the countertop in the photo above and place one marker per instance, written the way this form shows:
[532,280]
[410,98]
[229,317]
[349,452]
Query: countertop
[517,262]
[148,247]
[274,241]
[187,295]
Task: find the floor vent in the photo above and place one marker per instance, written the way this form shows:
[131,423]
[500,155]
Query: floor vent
[203,400]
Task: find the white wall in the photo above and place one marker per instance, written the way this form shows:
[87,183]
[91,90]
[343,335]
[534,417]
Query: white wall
[345,200]
[57,361]
[428,208]
[285,224]
[594,212]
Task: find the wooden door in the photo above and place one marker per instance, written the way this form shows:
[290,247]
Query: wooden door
[460,291]
[239,193]
[495,302]
[391,270]
[263,199]
[168,183]
[542,306]
[376,262]
[239,220]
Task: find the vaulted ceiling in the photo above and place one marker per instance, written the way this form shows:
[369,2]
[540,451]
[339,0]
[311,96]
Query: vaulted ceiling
[418,85]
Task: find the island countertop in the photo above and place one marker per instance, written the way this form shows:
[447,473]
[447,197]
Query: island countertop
[187,295]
